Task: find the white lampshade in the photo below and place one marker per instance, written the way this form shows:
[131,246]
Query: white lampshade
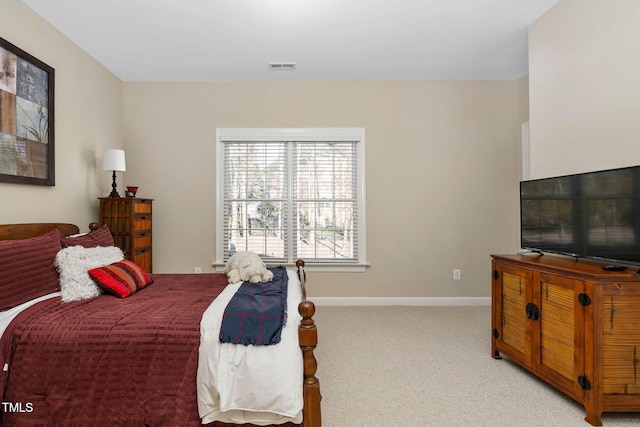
[113,160]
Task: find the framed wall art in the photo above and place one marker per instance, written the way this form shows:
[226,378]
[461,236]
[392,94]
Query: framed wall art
[26,118]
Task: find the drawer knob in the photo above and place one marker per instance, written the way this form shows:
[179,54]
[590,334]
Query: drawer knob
[584,299]
[533,313]
[584,382]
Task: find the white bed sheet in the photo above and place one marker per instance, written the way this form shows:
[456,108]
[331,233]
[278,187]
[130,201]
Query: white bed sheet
[250,384]
[7,316]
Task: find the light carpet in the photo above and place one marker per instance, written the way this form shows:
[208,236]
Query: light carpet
[430,366]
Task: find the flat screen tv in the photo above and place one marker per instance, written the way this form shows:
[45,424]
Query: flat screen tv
[591,215]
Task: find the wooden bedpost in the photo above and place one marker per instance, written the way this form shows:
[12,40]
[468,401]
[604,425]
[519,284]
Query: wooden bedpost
[303,278]
[308,335]
[311,386]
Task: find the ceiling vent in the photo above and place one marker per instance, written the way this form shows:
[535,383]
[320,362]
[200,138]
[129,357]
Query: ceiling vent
[282,66]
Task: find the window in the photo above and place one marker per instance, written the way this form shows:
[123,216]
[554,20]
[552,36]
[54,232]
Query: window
[291,194]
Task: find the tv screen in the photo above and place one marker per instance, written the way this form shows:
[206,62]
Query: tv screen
[592,215]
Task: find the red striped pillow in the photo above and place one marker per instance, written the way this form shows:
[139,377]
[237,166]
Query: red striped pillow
[121,278]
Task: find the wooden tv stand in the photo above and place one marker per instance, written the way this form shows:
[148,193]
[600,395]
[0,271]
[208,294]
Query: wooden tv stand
[572,324]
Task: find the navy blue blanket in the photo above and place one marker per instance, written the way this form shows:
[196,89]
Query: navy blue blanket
[257,312]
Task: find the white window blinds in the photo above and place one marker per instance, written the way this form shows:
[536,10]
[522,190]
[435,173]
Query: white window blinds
[288,196]
[325,200]
[256,187]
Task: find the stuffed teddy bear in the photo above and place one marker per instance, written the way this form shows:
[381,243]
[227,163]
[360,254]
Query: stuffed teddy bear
[246,265]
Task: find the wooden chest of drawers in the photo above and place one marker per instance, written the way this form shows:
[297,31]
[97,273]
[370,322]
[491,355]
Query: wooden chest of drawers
[130,222]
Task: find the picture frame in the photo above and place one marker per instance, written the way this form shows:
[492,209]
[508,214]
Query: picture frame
[27,137]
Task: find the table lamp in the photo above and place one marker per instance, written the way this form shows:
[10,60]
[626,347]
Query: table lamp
[113,160]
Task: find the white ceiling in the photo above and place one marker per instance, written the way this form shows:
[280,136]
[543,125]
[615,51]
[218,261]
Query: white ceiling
[206,40]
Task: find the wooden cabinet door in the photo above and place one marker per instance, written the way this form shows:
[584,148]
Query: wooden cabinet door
[511,292]
[558,335]
[620,329]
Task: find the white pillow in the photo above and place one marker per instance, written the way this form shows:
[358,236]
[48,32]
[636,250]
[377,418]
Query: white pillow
[73,264]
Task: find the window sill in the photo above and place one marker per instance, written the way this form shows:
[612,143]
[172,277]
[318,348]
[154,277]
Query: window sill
[335,267]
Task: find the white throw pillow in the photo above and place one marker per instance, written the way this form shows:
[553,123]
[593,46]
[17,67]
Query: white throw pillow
[73,264]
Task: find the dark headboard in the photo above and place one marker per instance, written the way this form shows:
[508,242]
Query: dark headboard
[25,231]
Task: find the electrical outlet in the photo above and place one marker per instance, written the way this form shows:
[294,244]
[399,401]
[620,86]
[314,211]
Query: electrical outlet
[457,274]
[197,270]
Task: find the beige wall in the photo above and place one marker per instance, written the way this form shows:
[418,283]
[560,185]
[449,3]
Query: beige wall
[441,162]
[523,119]
[523,99]
[443,158]
[584,70]
[88,117]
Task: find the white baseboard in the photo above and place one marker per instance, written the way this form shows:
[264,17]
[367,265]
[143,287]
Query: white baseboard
[416,302]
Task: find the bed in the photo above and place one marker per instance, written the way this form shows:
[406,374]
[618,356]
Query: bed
[105,360]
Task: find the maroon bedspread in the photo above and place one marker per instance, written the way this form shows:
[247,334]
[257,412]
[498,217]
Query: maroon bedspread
[111,361]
